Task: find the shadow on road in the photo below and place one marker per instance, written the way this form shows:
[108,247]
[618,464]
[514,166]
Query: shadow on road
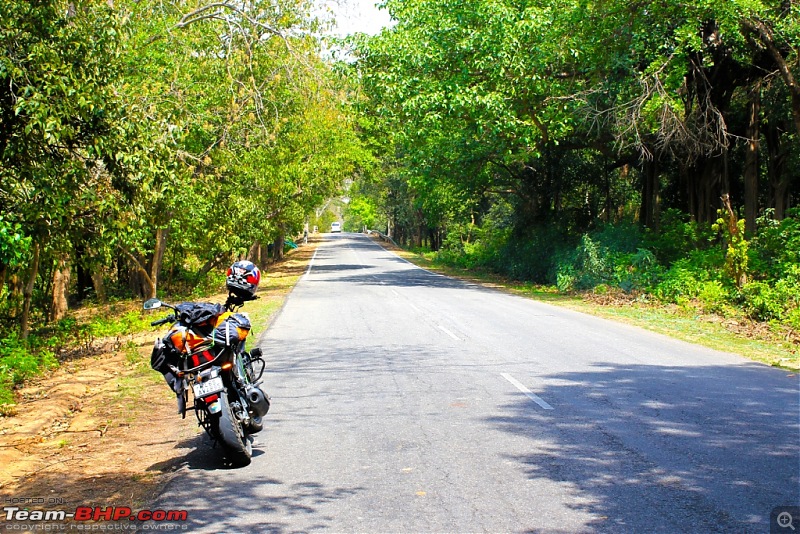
[203,456]
[409,277]
[231,505]
[665,449]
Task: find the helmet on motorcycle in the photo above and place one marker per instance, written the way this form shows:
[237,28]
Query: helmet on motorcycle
[243,279]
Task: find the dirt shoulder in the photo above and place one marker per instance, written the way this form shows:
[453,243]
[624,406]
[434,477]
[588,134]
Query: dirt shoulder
[103,430]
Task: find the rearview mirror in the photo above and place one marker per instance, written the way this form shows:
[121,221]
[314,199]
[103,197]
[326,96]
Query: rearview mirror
[152,304]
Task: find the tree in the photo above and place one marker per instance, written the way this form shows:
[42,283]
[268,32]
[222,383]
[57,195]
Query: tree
[523,98]
[252,117]
[62,127]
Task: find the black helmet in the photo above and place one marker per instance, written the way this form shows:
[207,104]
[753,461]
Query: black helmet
[243,279]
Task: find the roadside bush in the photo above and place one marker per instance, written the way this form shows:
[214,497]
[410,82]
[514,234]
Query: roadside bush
[683,263]
[620,237]
[788,287]
[588,266]
[714,298]
[765,301]
[535,256]
[792,319]
[677,237]
[116,326]
[609,257]
[484,246]
[760,301]
[685,279]
[639,271]
[22,359]
[776,249]
[680,283]
[476,251]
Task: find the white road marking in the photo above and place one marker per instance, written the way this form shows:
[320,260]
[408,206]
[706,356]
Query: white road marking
[448,332]
[528,393]
[311,263]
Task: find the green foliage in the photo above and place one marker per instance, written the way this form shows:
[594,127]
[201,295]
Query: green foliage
[464,118]
[714,298]
[254,129]
[775,250]
[211,283]
[736,253]
[589,266]
[116,326]
[686,277]
[773,300]
[13,243]
[761,301]
[638,271]
[361,212]
[64,129]
[677,236]
[22,359]
[522,257]
[135,134]
[680,283]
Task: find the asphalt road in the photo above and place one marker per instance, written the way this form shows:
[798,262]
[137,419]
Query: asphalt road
[405,401]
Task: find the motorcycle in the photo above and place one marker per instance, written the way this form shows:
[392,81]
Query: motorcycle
[203,359]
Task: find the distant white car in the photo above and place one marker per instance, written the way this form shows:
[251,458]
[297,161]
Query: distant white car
[336,227]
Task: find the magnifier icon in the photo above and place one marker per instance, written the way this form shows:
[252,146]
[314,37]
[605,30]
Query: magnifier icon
[785,520]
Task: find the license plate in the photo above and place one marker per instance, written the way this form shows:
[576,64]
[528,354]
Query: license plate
[205,389]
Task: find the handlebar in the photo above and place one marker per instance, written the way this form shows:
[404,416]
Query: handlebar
[231,304]
[168,319]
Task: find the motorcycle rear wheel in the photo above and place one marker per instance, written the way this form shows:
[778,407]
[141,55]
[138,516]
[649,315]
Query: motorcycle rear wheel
[256,425]
[235,442]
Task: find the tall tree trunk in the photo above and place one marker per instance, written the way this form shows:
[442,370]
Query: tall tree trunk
[704,180]
[779,179]
[99,284]
[158,259]
[751,167]
[733,263]
[765,35]
[263,259]
[61,276]
[254,254]
[145,287]
[608,204]
[83,276]
[650,193]
[277,247]
[27,293]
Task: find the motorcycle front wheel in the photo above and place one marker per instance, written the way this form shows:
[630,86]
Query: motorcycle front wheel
[238,447]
